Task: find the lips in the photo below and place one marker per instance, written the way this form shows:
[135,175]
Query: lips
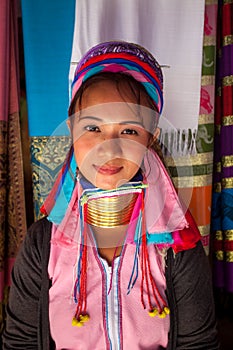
[108,170]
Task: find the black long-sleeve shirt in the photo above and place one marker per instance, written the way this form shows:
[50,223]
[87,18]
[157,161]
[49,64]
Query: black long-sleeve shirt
[189,293]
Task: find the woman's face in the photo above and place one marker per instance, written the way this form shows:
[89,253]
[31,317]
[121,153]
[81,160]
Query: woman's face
[110,135]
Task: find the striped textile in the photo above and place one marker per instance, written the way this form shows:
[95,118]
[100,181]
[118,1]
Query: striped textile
[222,215]
[193,175]
[12,200]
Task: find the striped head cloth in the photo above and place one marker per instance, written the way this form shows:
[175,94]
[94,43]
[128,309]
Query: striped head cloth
[121,57]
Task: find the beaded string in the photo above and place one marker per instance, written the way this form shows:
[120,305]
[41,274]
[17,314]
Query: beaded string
[81,315]
[161,308]
[134,273]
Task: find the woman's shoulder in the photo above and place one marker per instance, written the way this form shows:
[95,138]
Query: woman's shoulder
[188,262]
[39,233]
[40,225]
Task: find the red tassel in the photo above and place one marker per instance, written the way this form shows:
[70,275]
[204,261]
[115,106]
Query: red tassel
[147,278]
[144,259]
[80,315]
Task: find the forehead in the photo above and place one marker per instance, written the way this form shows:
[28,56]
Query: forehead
[115,102]
[117,112]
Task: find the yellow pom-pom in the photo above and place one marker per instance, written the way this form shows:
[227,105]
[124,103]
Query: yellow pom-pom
[80,321]
[153,312]
[162,314]
[76,323]
[84,318]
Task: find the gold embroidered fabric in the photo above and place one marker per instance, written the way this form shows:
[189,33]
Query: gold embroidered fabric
[219,235]
[227,182]
[207,80]
[229,257]
[47,156]
[193,181]
[206,119]
[209,40]
[227,120]
[225,2]
[228,40]
[204,230]
[211,2]
[228,235]
[227,161]
[218,167]
[219,255]
[197,159]
[217,187]
[227,80]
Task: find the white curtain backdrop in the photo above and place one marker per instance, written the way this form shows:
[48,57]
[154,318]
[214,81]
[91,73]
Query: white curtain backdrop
[172,30]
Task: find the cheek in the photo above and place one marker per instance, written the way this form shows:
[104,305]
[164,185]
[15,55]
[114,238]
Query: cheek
[146,139]
[134,151]
[131,169]
[81,148]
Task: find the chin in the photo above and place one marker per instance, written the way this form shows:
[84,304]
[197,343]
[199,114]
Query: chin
[105,185]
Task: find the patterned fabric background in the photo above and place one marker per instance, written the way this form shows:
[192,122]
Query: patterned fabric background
[12,203]
[195,172]
[222,215]
[47,156]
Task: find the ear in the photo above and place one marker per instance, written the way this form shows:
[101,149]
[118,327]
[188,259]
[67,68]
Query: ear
[68,124]
[156,134]
[154,137]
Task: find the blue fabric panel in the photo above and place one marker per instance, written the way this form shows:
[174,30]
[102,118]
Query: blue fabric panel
[227,209]
[222,210]
[48,34]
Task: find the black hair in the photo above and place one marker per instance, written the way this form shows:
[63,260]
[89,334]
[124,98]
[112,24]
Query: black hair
[136,88]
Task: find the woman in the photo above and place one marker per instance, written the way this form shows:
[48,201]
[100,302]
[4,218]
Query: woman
[117,262]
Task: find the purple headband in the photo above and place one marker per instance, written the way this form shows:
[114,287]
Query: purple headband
[126,58]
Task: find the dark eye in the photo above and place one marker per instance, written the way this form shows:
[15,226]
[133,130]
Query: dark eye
[92,128]
[129,132]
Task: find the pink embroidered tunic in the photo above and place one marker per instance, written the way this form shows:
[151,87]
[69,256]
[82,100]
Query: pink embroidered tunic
[117,319]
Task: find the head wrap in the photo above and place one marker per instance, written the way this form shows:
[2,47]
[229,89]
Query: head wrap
[121,57]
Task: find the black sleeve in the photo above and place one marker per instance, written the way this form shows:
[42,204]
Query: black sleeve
[193,299]
[23,312]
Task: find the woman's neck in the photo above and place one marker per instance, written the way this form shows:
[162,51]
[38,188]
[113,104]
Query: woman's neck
[109,241]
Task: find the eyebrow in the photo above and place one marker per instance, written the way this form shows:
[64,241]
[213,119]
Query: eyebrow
[131,122]
[90,117]
[101,120]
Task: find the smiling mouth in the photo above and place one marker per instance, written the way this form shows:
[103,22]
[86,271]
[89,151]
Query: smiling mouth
[108,170]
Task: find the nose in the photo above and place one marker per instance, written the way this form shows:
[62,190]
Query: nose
[110,148]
